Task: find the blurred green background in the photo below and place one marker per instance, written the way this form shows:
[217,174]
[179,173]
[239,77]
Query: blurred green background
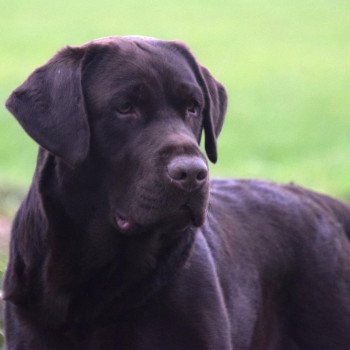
[285,64]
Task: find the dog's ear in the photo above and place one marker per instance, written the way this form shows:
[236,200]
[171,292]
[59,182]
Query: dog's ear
[50,107]
[215,99]
[214,113]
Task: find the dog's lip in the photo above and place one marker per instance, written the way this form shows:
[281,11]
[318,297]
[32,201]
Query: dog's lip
[188,216]
[180,219]
[196,216]
[186,207]
[124,223]
[183,217]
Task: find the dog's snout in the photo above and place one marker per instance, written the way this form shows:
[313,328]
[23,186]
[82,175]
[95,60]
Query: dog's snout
[188,173]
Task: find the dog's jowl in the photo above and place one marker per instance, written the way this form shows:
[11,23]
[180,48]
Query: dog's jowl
[123,243]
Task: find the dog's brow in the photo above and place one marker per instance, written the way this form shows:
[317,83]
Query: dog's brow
[186,90]
[133,89]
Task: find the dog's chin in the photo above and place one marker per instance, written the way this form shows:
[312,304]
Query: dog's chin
[183,218]
[176,220]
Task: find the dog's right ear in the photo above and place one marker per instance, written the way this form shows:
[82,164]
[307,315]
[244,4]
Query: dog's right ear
[50,106]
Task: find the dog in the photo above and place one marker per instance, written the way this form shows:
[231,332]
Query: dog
[122,242]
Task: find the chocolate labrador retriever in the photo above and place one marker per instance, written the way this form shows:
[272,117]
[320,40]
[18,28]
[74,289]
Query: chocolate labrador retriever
[123,243]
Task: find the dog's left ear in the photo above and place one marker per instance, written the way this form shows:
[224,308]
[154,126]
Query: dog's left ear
[215,99]
[214,112]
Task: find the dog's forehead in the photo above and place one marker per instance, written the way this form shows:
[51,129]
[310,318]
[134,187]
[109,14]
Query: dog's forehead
[144,57]
[142,49]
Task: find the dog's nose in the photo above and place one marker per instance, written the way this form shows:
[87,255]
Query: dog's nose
[188,173]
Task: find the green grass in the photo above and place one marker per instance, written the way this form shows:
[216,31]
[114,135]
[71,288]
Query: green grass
[285,65]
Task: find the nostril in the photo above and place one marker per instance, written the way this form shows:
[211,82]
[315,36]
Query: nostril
[176,172]
[202,174]
[183,175]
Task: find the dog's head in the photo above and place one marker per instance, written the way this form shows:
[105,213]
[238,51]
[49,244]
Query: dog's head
[130,111]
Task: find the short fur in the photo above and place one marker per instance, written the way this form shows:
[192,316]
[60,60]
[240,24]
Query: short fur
[107,252]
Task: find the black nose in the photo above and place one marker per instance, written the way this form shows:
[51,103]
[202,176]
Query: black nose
[188,173]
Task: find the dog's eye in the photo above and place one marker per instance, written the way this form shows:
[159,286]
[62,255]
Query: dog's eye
[125,108]
[192,108]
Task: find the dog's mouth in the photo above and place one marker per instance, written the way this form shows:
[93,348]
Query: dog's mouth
[123,222]
[177,220]
[181,219]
